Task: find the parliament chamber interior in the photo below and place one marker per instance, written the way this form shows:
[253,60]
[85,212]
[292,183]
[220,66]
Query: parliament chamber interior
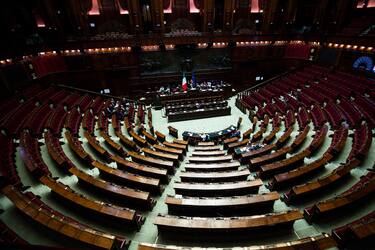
[187,124]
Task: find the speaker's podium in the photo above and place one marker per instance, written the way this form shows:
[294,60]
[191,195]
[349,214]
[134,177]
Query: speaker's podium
[157,103]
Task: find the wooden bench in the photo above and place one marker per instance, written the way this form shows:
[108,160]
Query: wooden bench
[131,180]
[202,167]
[237,175]
[207,148]
[169,165]
[161,155]
[125,141]
[217,189]
[291,176]
[312,187]
[210,159]
[159,136]
[137,139]
[220,226]
[169,150]
[135,197]
[106,210]
[136,168]
[173,131]
[232,146]
[277,155]
[112,144]
[149,137]
[62,225]
[96,146]
[176,146]
[228,141]
[205,144]
[225,206]
[324,241]
[209,153]
[283,165]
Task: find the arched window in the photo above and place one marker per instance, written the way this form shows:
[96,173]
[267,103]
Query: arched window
[94,8]
[167,6]
[122,8]
[192,7]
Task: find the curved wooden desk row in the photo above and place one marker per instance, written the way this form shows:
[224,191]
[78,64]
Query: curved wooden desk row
[245,157]
[217,189]
[111,143]
[55,150]
[271,135]
[234,145]
[184,148]
[357,231]
[125,141]
[226,142]
[284,137]
[300,138]
[149,137]
[362,140]
[76,146]
[182,142]
[224,166]
[169,165]
[220,206]
[96,207]
[65,226]
[130,196]
[209,153]
[258,135]
[366,188]
[338,141]
[225,225]
[131,180]
[283,179]
[160,155]
[261,160]
[237,175]
[169,150]
[312,187]
[116,125]
[323,241]
[206,144]
[283,165]
[137,139]
[207,148]
[88,121]
[319,138]
[143,170]
[94,143]
[210,159]
[159,136]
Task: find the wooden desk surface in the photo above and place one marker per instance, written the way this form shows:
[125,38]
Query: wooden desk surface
[217,186]
[182,142]
[284,137]
[230,140]
[61,225]
[169,150]
[228,223]
[110,187]
[221,201]
[76,148]
[269,157]
[233,145]
[207,148]
[149,137]
[137,139]
[158,154]
[94,143]
[210,158]
[215,175]
[204,144]
[209,153]
[126,141]
[110,141]
[301,137]
[175,145]
[224,166]
[97,206]
[141,169]
[258,152]
[324,241]
[154,183]
[153,161]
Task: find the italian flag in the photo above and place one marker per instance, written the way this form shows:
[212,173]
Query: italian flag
[184,83]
